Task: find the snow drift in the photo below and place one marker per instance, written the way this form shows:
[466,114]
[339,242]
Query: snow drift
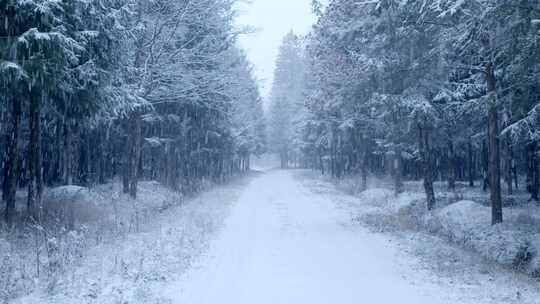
[514,243]
[511,243]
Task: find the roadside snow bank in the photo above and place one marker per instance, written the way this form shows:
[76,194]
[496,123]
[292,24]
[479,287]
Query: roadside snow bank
[384,210]
[377,196]
[119,247]
[468,224]
[514,243]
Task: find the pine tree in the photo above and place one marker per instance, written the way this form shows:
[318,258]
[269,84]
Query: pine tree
[286,99]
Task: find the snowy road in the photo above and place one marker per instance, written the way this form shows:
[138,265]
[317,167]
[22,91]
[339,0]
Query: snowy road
[284,244]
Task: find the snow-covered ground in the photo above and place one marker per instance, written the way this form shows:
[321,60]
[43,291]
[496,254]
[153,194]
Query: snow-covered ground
[286,243]
[451,267]
[462,217]
[128,255]
[281,237]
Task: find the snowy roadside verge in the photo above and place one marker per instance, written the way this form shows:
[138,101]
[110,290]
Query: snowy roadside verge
[123,254]
[514,243]
[448,261]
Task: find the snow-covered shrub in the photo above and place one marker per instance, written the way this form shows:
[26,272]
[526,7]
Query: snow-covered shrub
[528,219]
[351,185]
[383,210]
[54,263]
[458,220]
[534,266]
[73,247]
[72,204]
[515,243]
[5,248]
[468,224]
[13,280]
[377,196]
[5,269]
[411,215]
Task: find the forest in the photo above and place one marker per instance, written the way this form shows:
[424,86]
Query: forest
[137,90]
[433,90]
[143,158]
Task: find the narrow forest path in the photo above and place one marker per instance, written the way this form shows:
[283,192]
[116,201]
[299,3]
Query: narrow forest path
[285,244]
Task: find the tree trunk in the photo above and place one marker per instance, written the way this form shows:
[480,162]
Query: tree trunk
[67,174]
[398,183]
[471,163]
[363,158]
[85,159]
[135,154]
[12,166]
[57,167]
[100,165]
[364,168]
[535,189]
[126,169]
[508,165]
[529,159]
[485,162]
[494,149]
[451,166]
[35,183]
[532,172]
[321,161]
[427,166]
[515,173]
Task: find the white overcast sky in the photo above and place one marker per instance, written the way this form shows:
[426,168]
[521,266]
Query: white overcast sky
[273,19]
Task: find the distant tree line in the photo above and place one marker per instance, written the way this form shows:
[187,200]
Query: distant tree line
[93,90]
[433,90]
